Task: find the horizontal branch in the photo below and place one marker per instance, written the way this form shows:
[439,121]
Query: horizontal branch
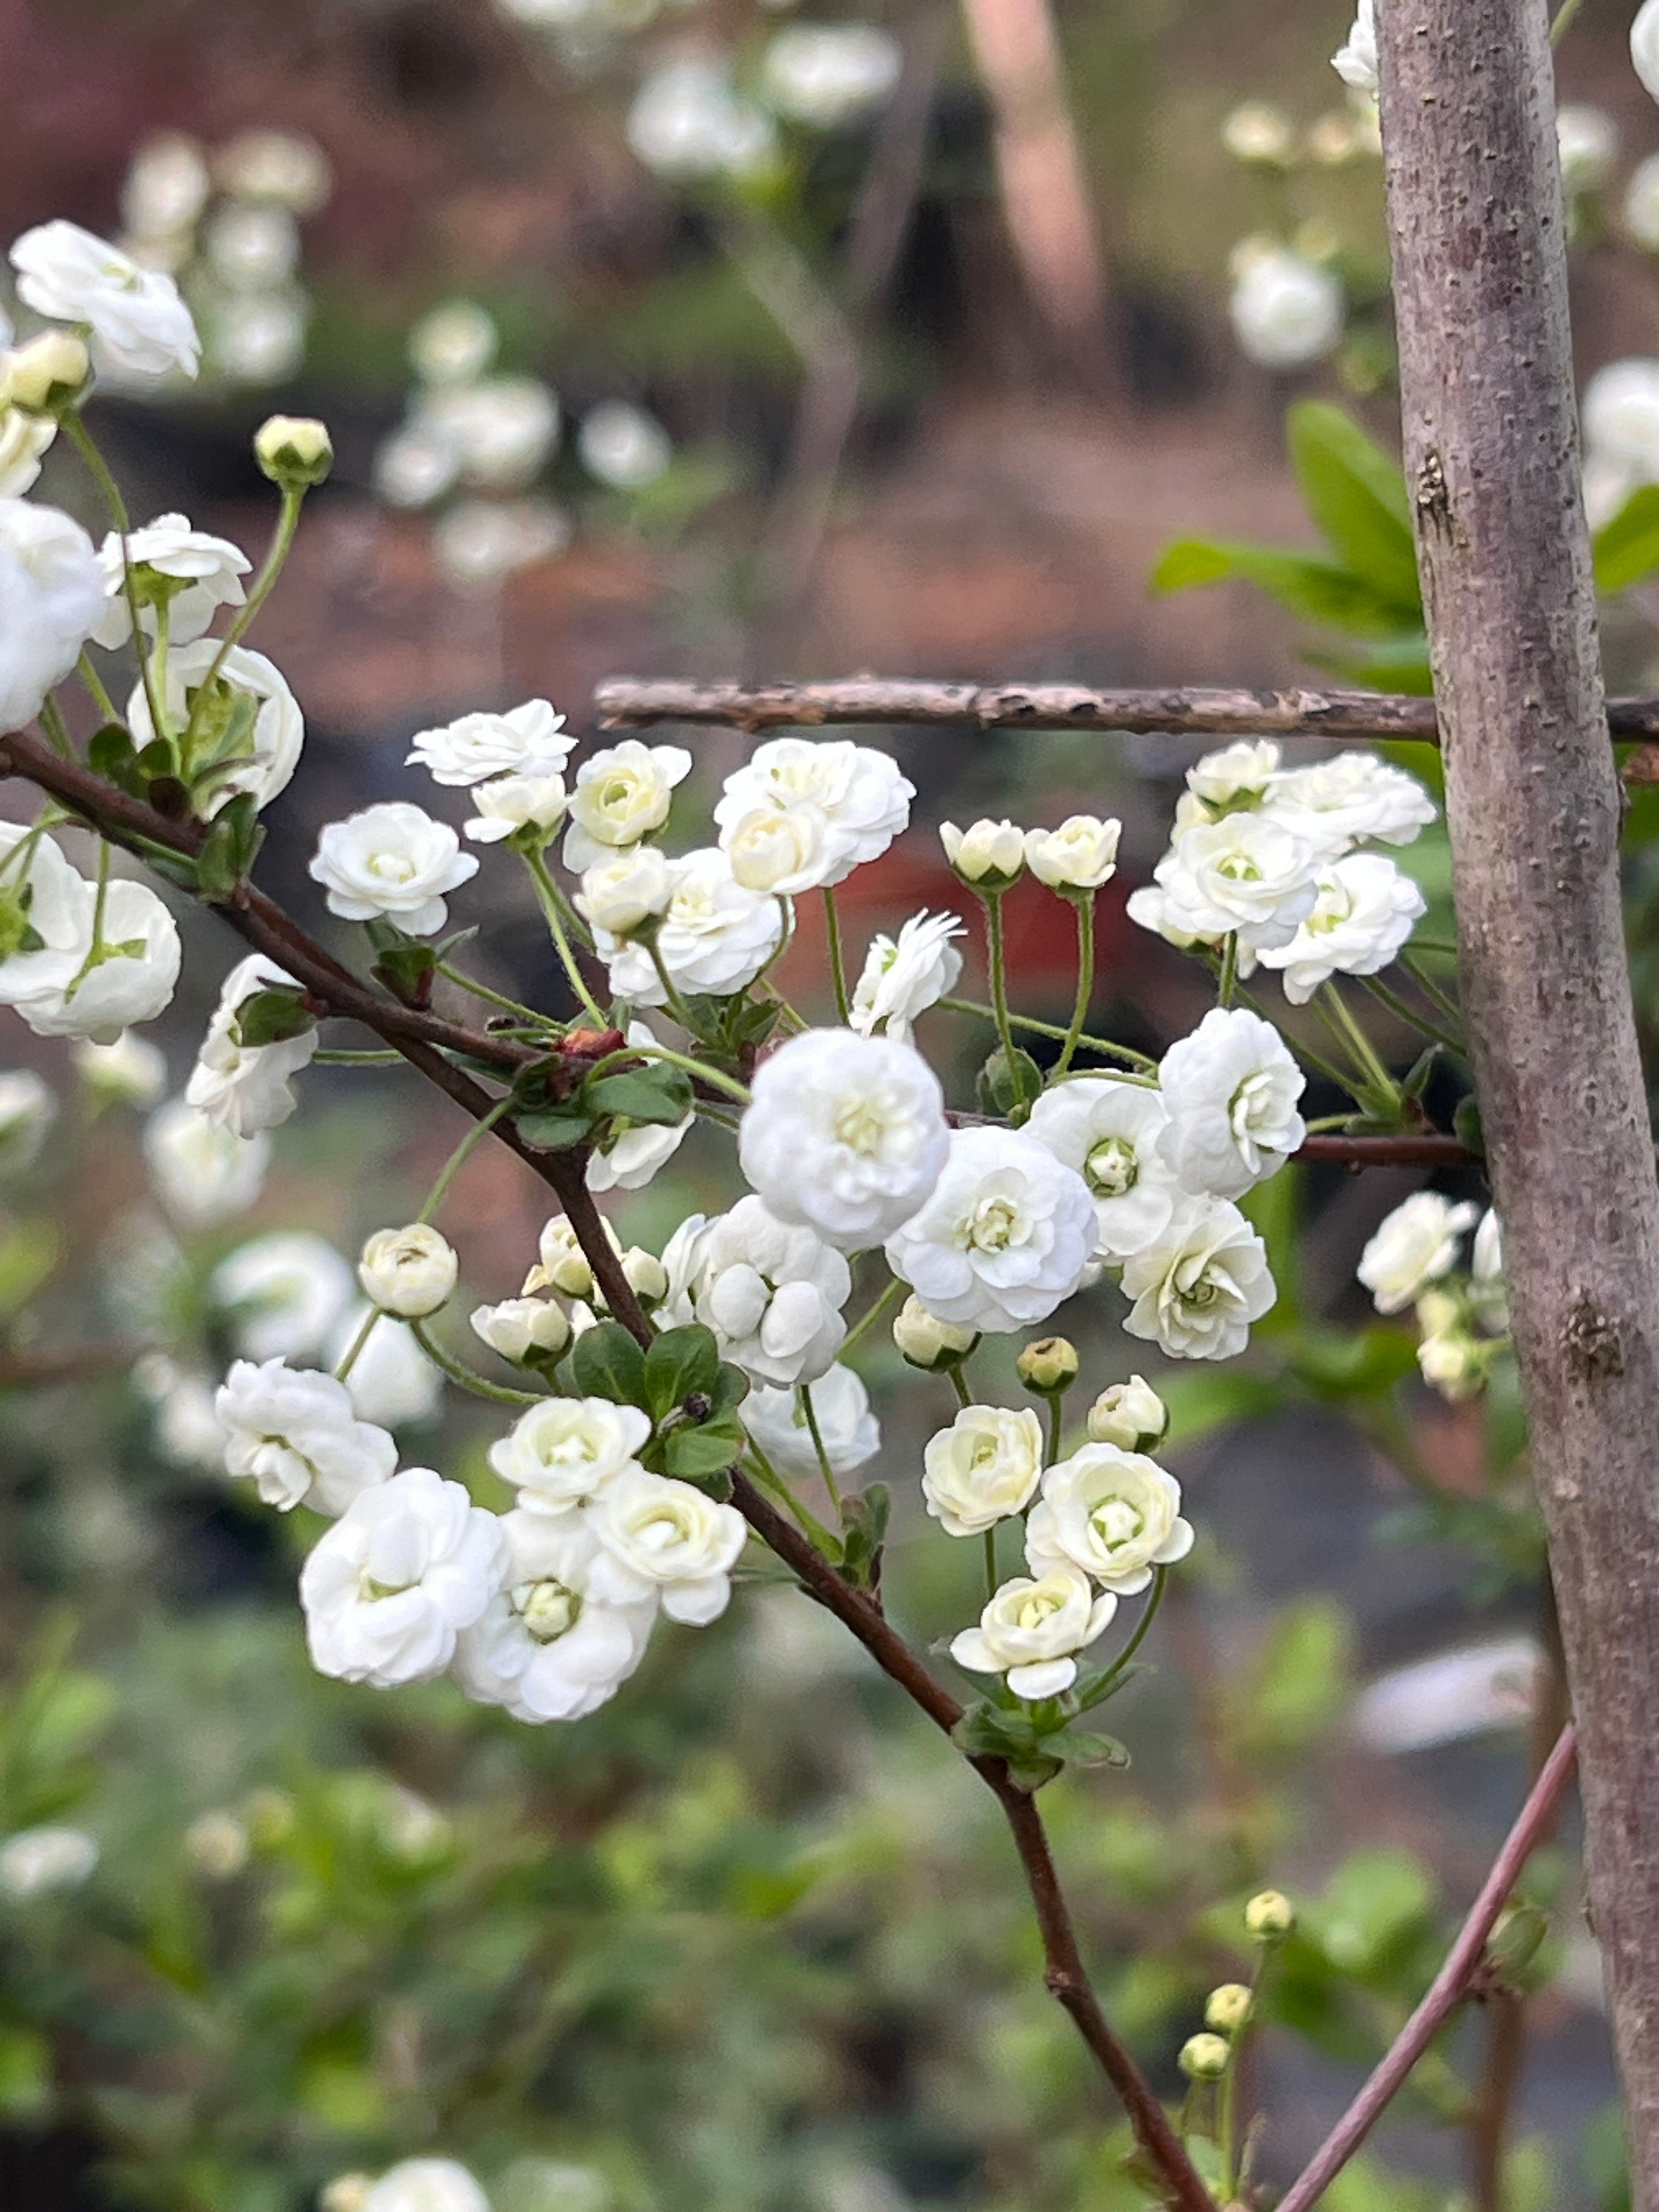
[1449,1988]
[1335,716]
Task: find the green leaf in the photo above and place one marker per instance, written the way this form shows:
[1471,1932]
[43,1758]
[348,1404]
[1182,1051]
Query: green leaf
[29,1251]
[1627,548]
[1373,1902]
[694,1454]
[660,1096]
[1299,1682]
[110,755]
[404,964]
[1393,664]
[608,1364]
[1309,584]
[731,1389]
[557,1130]
[272,1018]
[1362,1363]
[1466,1125]
[1010,1089]
[1085,1748]
[1358,500]
[155,760]
[682,1363]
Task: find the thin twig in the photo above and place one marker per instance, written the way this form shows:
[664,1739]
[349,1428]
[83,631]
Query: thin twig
[1447,1990]
[1337,717]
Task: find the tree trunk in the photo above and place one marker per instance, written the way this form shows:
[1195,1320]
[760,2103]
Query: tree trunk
[1533,803]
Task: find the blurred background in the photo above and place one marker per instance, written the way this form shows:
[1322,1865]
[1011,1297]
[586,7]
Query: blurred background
[716,336]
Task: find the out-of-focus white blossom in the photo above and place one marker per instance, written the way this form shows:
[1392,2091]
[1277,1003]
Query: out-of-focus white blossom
[902,976]
[36,1860]
[392,862]
[1414,1247]
[166,187]
[455,344]
[27,1110]
[826,75]
[131,1071]
[687,124]
[1286,311]
[1488,1291]
[294,1436]
[1355,60]
[478,541]
[841,1405]
[499,431]
[51,599]
[1258,132]
[280,166]
[23,440]
[1007,1234]
[202,1174]
[1587,139]
[409,1565]
[140,328]
[1641,204]
[1645,45]
[285,1293]
[622,446]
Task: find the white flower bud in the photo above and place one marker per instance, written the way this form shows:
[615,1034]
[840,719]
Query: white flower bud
[217,1846]
[618,894]
[1257,131]
[1130,1415]
[295,451]
[347,2192]
[562,1266]
[646,1275]
[1079,856]
[408,1272]
[1048,1365]
[1269,1915]
[1227,2009]
[988,855]
[1205,2058]
[47,374]
[1645,45]
[523,1330]
[927,1342]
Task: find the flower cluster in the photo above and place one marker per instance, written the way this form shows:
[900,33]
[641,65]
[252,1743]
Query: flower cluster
[1462,1311]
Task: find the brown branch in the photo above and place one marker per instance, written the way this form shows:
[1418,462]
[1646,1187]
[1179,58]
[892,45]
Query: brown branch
[1447,1990]
[1335,717]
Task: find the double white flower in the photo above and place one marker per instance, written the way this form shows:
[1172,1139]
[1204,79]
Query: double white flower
[622,796]
[1414,1247]
[902,976]
[772,1291]
[294,1436]
[193,574]
[140,328]
[550,1646]
[714,938]
[803,813]
[392,862]
[983,1467]
[1032,1630]
[1363,914]
[1197,1288]
[1229,1091]
[1113,1515]
[1007,1235]
[51,599]
[1110,1132]
[1246,875]
[662,1536]
[243,1088]
[564,1452]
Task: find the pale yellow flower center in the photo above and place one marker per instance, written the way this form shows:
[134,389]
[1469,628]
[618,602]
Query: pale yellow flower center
[1112,1167]
[548,1609]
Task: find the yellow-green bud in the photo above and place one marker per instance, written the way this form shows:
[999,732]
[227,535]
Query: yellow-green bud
[270,1817]
[295,451]
[1130,1415]
[1269,1916]
[645,1274]
[929,1343]
[47,374]
[347,2192]
[1227,2009]
[1206,2058]
[989,855]
[1049,1366]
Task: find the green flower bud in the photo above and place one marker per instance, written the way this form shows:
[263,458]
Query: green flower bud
[1206,2058]
[1049,1366]
[1227,2009]
[295,451]
[1270,1917]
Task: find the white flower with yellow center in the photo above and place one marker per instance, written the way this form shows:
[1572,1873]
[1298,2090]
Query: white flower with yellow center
[662,1535]
[392,862]
[1007,1235]
[621,796]
[1114,1515]
[1032,1630]
[1363,914]
[548,1648]
[982,1468]
[715,937]
[1245,874]
[564,1452]
[1229,1091]
[862,796]
[1198,1287]
[1110,1131]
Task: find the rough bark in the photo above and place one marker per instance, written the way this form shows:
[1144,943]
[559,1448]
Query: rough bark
[1491,450]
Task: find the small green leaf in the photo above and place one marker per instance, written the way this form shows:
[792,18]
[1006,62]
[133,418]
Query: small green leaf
[404,965]
[661,1096]
[1010,1089]
[558,1130]
[1466,1126]
[1627,548]
[1085,1748]
[694,1454]
[272,1018]
[608,1364]
[110,754]
[680,1363]
[1309,584]
[1357,497]
[155,760]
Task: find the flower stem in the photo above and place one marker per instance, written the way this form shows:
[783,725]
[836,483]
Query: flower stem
[1364,1050]
[805,1396]
[1085,981]
[94,683]
[1431,990]
[676,1005]
[1053,1029]
[837,965]
[458,1159]
[547,892]
[1229,980]
[80,438]
[871,1314]
[52,721]
[959,1383]
[463,1375]
[1397,1007]
[492,997]
[991,1583]
[281,544]
[1120,1665]
[343,1059]
[1562,22]
[1056,1425]
[356,1345]
[998,957]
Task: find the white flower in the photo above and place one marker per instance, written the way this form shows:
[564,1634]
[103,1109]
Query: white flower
[841,1405]
[1362,917]
[982,1468]
[715,936]
[829,74]
[522,1329]
[1355,61]
[46,374]
[455,344]
[279,728]
[618,893]
[621,796]
[562,1452]
[166,187]
[771,1292]
[662,1534]
[860,793]
[1286,311]
[986,851]
[549,1648]
[1079,856]
[561,1264]
[1587,141]
[633,1156]
[1450,1359]
[686,123]
[1620,403]
[478,541]
[780,850]
[52,597]
[393,862]
[1488,1291]
[196,575]
[141,329]
[1130,1415]
[36,1861]
[1641,220]
[203,1173]
[498,432]
[1032,1629]
[391,1380]
[293,1435]
[43,896]
[286,1293]
[528,740]
[902,976]
[1006,1236]
[1255,130]
[1342,801]
[844,1134]
[187,1430]
[131,1071]
[1230,1089]
[425,2184]
[622,446]
[27,1110]
[1114,1515]
[408,1272]
[23,440]
[130,979]
[1109,1132]
[507,802]
[1235,773]
[1197,1290]
[283,166]
[1414,1247]
[387,1590]
[1246,874]
[927,1342]
[241,1087]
